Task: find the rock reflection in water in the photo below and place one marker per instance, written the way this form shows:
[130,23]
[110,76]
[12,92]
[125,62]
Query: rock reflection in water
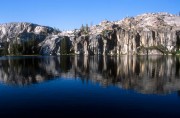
[150,75]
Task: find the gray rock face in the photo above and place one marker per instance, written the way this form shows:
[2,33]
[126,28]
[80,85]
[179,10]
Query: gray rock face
[153,33]
[26,35]
[50,45]
[55,45]
[146,34]
[11,30]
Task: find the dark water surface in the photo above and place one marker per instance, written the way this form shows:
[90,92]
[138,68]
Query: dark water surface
[95,86]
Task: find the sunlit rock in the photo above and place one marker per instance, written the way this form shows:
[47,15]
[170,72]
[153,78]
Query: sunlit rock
[150,33]
[40,29]
[145,34]
[24,36]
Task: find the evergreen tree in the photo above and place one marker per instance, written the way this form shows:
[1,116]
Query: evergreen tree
[13,47]
[64,48]
[87,28]
[5,50]
[82,28]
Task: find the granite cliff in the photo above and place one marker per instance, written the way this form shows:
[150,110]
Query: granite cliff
[146,34]
[152,33]
[27,38]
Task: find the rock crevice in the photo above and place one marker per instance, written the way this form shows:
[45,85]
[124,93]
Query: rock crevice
[146,34]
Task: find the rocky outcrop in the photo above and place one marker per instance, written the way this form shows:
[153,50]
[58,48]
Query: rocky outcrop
[153,33]
[25,38]
[146,34]
[55,45]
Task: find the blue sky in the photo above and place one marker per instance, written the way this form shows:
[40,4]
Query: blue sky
[70,14]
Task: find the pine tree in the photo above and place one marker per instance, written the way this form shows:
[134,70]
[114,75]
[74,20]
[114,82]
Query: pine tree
[13,47]
[82,28]
[64,49]
[87,28]
[6,45]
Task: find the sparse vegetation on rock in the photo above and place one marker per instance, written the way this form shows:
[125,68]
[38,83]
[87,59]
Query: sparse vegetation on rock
[150,33]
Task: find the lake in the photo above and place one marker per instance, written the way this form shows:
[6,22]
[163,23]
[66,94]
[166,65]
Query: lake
[90,86]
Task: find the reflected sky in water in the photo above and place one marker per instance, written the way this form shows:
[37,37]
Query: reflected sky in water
[94,86]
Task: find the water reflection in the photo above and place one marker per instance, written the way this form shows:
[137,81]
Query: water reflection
[150,75]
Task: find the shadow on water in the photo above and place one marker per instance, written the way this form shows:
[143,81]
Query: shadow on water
[148,75]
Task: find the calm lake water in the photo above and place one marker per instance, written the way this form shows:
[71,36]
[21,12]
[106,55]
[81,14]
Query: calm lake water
[94,86]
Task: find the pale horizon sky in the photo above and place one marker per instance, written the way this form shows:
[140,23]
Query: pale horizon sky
[71,14]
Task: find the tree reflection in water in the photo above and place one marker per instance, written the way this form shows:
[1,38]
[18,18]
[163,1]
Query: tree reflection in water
[148,75]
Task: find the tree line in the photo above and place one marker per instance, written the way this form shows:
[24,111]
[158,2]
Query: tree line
[29,47]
